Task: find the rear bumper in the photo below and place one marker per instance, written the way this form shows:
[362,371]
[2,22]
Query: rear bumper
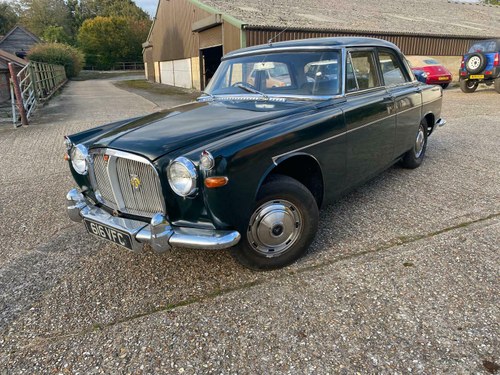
[158,233]
[437,81]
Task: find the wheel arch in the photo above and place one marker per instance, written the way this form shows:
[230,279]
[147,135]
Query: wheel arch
[303,167]
[430,119]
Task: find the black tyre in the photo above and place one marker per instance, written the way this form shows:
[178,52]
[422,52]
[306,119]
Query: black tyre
[281,227]
[497,85]
[468,85]
[444,85]
[476,62]
[414,157]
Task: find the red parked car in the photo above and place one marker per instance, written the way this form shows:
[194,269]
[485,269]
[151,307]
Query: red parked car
[433,71]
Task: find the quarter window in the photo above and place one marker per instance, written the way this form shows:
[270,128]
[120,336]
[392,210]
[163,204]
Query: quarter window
[392,70]
[361,71]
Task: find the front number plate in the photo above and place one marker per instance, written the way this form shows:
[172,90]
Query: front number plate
[110,234]
[443,78]
[476,76]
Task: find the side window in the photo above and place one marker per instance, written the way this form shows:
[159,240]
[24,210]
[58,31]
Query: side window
[392,69]
[361,71]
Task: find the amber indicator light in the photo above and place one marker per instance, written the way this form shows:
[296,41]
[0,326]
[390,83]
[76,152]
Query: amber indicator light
[214,182]
[66,156]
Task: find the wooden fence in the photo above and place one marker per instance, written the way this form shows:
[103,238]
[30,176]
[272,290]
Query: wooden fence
[34,84]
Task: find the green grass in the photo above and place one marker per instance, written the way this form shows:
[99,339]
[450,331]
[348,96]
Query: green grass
[155,88]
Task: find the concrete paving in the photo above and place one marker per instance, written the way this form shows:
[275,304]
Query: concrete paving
[403,275]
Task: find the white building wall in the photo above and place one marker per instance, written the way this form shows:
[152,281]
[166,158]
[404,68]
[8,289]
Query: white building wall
[176,73]
[167,73]
[182,73]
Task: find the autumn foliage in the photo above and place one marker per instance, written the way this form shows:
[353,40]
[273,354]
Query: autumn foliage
[107,40]
[59,54]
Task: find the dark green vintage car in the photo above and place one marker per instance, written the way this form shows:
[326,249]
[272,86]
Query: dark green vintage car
[281,130]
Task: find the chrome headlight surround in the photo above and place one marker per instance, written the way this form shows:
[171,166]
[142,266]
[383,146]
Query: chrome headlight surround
[207,161]
[183,177]
[80,159]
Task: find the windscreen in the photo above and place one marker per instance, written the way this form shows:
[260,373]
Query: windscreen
[285,73]
[485,46]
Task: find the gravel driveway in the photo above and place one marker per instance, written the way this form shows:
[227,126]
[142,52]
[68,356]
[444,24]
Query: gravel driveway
[402,277]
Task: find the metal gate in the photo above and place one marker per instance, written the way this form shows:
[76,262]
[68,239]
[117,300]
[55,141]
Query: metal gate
[34,84]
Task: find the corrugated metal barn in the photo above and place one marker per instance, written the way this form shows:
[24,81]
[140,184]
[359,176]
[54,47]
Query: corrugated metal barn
[188,37]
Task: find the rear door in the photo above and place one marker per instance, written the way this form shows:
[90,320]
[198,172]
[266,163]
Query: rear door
[407,99]
[370,117]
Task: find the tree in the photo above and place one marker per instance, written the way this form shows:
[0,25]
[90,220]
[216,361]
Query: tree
[56,34]
[492,2]
[38,15]
[107,40]
[110,8]
[8,17]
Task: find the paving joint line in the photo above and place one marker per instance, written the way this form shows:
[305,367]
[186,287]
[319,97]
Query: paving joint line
[396,242]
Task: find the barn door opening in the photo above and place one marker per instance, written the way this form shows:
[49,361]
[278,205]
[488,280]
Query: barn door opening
[209,62]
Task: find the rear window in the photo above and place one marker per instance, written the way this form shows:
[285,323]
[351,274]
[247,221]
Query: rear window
[431,62]
[485,46]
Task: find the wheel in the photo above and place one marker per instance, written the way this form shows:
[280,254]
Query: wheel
[281,227]
[468,85]
[414,157]
[497,85]
[476,63]
[444,85]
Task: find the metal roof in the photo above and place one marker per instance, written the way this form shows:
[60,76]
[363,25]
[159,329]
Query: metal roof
[422,17]
[6,57]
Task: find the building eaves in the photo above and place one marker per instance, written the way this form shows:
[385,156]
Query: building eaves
[9,57]
[359,32]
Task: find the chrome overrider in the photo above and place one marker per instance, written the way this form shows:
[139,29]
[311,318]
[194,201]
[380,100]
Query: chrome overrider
[158,233]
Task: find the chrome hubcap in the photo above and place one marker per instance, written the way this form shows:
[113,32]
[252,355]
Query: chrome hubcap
[274,227]
[419,142]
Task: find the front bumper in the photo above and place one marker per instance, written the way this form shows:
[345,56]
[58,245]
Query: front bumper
[441,122]
[158,233]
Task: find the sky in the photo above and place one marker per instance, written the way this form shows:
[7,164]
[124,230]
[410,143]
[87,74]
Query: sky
[148,5]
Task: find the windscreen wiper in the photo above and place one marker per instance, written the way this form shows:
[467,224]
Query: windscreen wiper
[252,90]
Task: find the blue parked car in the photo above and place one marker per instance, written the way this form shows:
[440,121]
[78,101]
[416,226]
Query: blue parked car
[481,65]
[420,75]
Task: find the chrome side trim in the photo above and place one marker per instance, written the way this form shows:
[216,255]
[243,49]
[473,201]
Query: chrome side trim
[275,158]
[271,98]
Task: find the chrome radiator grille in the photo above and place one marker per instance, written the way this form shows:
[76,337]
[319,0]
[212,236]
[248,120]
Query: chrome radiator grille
[126,182]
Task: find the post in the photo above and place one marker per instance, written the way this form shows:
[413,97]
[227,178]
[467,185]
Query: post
[19,98]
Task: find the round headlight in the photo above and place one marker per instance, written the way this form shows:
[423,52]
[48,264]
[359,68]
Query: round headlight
[79,159]
[182,176]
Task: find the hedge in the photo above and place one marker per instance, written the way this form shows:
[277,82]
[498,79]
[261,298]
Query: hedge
[60,54]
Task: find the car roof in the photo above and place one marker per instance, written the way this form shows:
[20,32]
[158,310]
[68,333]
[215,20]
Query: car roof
[314,43]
